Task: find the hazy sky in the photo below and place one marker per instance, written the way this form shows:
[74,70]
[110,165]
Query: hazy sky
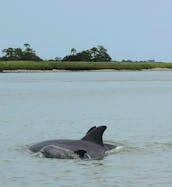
[129,29]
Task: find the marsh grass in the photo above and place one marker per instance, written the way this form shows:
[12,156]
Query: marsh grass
[77,66]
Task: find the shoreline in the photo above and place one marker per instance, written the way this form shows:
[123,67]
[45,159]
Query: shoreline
[38,67]
[100,70]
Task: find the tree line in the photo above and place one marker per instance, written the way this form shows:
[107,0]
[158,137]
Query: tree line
[95,54]
[20,54]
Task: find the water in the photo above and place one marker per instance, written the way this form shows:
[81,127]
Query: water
[136,107]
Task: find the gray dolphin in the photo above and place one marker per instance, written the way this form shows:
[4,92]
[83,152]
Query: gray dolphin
[90,146]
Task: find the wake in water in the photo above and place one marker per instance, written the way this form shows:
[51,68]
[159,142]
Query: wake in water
[158,146]
[146,147]
[120,147]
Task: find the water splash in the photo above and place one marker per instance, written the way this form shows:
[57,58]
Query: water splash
[39,155]
[122,147]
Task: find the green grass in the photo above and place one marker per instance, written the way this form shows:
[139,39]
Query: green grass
[77,66]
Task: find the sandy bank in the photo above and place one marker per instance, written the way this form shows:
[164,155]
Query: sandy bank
[101,70]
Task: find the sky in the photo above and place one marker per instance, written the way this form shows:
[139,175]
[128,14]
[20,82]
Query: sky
[128,29]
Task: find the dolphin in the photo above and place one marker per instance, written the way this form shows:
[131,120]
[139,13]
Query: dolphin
[91,146]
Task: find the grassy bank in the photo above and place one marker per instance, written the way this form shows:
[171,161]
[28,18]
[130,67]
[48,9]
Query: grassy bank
[76,66]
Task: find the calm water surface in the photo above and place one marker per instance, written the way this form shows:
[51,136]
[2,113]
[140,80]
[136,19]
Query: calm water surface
[136,107]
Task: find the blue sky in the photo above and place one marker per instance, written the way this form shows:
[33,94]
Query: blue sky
[129,29]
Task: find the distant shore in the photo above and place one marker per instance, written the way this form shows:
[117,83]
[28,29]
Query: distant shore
[46,66]
[101,70]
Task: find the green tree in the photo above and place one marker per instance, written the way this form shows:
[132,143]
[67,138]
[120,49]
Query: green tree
[84,56]
[19,54]
[58,59]
[28,47]
[12,53]
[101,49]
[95,54]
[73,51]
[101,54]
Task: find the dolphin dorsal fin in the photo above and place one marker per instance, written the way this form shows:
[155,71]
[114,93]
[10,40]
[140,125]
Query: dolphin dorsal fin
[95,135]
[91,129]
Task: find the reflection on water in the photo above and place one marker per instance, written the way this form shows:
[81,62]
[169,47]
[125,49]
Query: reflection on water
[136,107]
